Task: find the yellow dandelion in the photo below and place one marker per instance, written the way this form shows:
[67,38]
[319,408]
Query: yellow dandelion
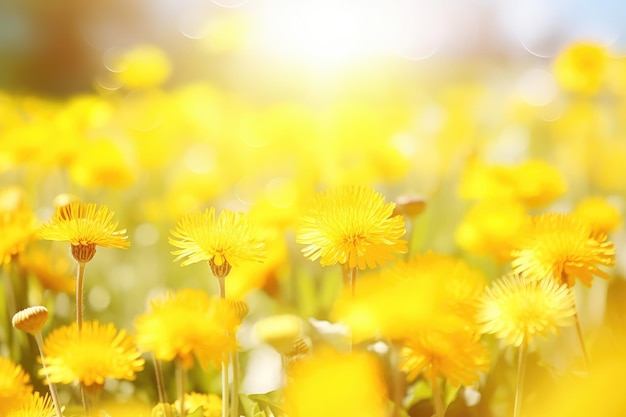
[143,66]
[564,247]
[223,243]
[516,309]
[581,67]
[211,404]
[352,226]
[335,385]
[189,324]
[458,356]
[85,226]
[35,406]
[100,352]
[600,213]
[53,272]
[17,228]
[102,163]
[15,386]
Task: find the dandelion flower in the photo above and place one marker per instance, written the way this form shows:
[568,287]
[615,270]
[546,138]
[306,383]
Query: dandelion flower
[15,386]
[17,228]
[85,226]
[564,247]
[599,212]
[222,243]
[457,356]
[352,226]
[516,309]
[335,385]
[211,404]
[53,272]
[100,352]
[35,406]
[581,67]
[189,324]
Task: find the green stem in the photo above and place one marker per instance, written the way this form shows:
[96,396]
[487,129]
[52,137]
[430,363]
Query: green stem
[180,376]
[80,276]
[234,405]
[160,384]
[437,398]
[519,388]
[51,386]
[397,377]
[581,339]
[225,385]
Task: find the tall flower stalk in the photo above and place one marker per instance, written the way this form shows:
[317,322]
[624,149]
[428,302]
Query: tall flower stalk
[223,243]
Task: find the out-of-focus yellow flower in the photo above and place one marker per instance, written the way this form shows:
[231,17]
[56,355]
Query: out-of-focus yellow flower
[608,163]
[85,226]
[456,356]
[336,385]
[143,66]
[562,247]
[98,353]
[352,226]
[35,406]
[211,404]
[428,292]
[208,333]
[53,272]
[223,243]
[17,228]
[581,67]
[516,309]
[15,387]
[102,164]
[600,213]
[491,227]
[534,183]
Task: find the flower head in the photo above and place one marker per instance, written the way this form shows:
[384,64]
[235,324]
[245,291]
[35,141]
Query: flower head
[18,224]
[53,272]
[35,405]
[457,356]
[99,352]
[189,324]
[516,309]
[15,386]
[332,384]
[223,242]
[352,226]
[599,212]
[85,226]
[564,247]
[581,67]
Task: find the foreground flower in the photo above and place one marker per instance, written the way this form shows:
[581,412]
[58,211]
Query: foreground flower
[516,309]
[336,385]
[222,243]
[15,386]
[564,247]
[189,325]
[100,352]
[352,226]
[34,406]
[85,226]
[456,356]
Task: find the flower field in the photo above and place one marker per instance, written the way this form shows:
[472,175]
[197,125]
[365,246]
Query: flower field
[315,231]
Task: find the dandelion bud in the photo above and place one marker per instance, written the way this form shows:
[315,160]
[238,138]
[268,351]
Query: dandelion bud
[31,319]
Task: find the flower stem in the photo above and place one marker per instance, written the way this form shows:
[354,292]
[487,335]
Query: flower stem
[80,276]
[397,377]
[581,339]
[51,386]
[437,398]
[234,406]
[180,376]
[160,383]
[225,385]
[521,372]
[349,277]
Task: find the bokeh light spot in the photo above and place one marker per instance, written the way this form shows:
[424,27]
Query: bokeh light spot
[200,158]
[99,298]
[146,234]
[281,192]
